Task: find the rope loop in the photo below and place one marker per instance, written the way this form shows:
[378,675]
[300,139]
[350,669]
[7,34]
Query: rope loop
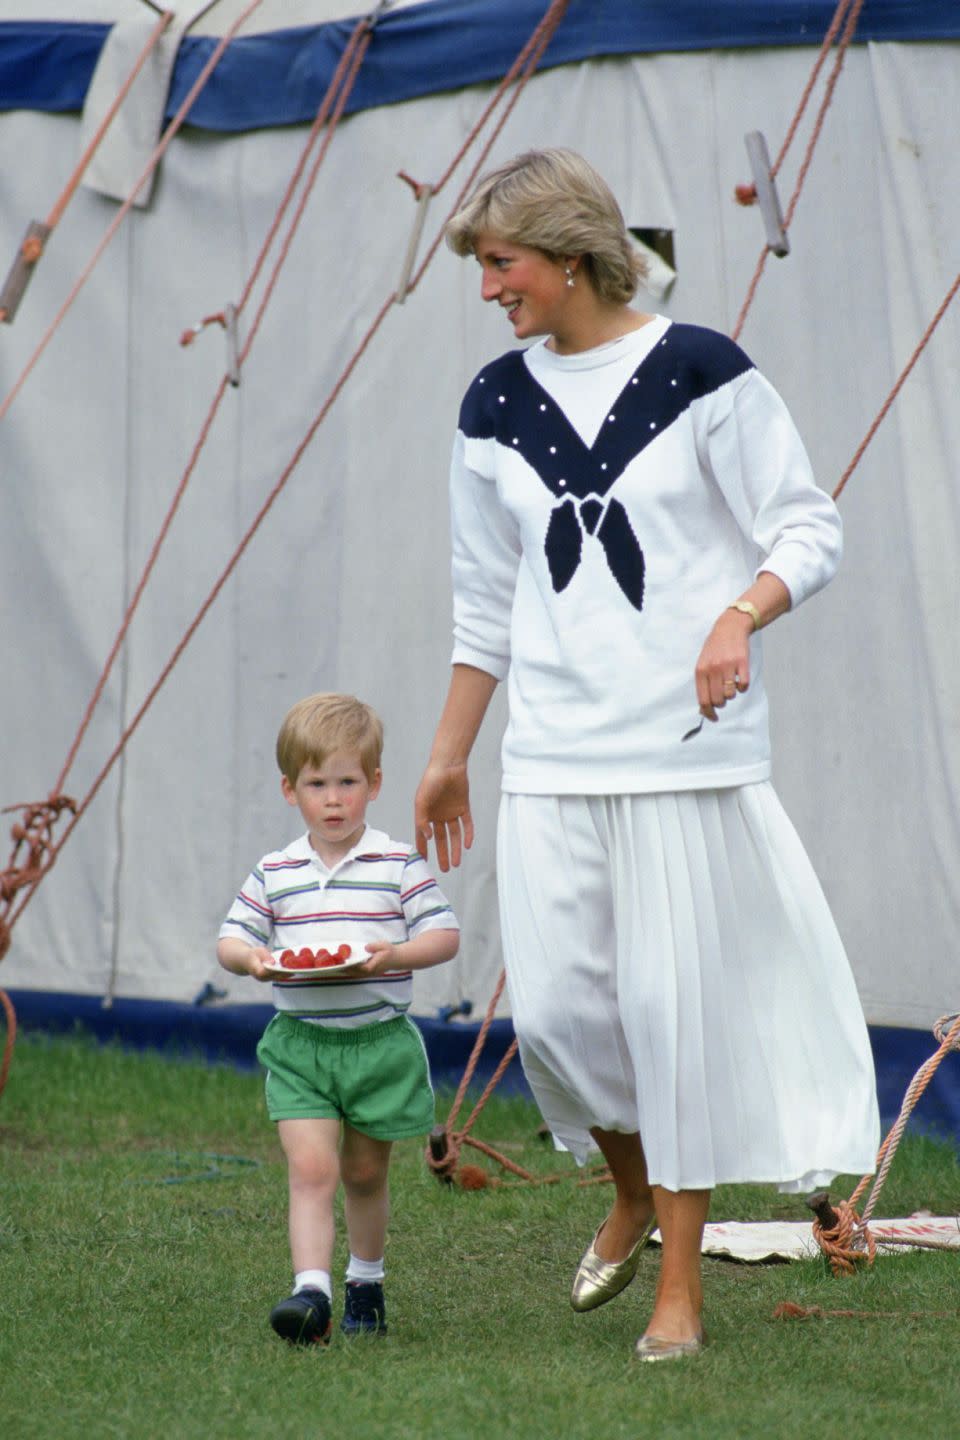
[942,1028]
[188,336]
[847,1244]
[417,186]
[33,850]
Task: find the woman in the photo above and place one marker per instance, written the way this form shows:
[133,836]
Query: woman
[630,504]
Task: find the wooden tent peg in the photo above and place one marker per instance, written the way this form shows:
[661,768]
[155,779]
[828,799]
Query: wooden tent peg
[766,192]
[22,269]
[422,194]
[819,1203]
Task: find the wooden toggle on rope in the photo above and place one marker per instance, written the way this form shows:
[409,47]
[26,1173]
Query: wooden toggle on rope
[157,155]
[39,231]
[846,14]
[343,80]
[423,195]
[763,192]
[227,317]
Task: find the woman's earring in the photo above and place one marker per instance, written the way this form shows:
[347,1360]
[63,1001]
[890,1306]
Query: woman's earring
[569,274]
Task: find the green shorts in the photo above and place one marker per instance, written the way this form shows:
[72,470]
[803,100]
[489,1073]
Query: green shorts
[375,1077]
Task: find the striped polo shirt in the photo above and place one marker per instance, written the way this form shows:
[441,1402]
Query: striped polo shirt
[380,890]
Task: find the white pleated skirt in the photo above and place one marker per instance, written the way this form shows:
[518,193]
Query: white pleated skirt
[673,968]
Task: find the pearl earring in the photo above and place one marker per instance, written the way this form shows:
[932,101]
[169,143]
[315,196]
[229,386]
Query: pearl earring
[569,274]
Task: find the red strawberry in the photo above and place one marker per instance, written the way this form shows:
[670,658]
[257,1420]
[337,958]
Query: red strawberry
[303,960]
[343,953]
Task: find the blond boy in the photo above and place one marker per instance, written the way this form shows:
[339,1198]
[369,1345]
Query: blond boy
[347,1072]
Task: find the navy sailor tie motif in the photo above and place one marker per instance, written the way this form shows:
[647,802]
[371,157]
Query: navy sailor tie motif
[564,544]
[506,403]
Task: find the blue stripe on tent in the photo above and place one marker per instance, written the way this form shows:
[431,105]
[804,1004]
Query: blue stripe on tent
[230,1033]
[279,77]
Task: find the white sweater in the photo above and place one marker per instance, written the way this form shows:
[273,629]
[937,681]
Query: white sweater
[606,507]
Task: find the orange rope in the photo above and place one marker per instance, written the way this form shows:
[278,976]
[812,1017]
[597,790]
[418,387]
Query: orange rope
[448,1141]
[556,9]
[10,1039]
[34,836]
[828,40]
[341,82]
[787,1310]
[33,248]
[848,31]
[156,34]
[155,158]
[897,387]
[947,1033]
[850,1242]
[521,70]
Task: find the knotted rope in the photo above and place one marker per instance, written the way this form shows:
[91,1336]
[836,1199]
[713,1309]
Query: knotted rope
[843,1235]
[33,853]
[446,1143]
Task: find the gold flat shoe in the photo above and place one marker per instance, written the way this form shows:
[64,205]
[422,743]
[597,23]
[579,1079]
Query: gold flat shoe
[598,1281]
[655,1347]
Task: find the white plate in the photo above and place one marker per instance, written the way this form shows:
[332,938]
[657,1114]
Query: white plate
[317,972]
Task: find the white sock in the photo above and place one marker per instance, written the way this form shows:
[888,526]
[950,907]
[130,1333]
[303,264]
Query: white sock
[315,1279]
[365,1270]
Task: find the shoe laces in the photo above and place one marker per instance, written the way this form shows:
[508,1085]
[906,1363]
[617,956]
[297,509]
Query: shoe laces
[365,1299]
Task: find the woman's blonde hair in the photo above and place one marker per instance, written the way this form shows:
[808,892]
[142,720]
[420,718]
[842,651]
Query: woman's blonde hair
[320,725]
[555,202]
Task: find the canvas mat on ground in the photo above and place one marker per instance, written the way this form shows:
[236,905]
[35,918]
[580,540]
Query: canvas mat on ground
[755,1241]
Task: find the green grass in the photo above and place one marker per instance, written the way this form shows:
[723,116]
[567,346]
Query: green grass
[142,1243]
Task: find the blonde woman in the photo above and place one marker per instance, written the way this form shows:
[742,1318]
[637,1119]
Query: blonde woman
[631,504]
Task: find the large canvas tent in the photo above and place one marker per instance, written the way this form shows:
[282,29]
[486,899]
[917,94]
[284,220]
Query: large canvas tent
[345,585]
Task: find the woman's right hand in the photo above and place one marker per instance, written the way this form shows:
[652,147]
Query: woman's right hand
[441,812]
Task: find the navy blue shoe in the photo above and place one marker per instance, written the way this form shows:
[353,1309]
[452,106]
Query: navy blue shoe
[364,1312]
[303,1318]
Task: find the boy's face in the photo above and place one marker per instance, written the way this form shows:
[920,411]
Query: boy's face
[333,799]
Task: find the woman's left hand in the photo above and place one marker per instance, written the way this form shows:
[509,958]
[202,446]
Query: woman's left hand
[723,669]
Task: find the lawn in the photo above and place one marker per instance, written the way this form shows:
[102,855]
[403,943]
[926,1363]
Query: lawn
[142,1244]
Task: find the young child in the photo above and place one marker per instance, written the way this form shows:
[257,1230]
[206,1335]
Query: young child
[347,1071]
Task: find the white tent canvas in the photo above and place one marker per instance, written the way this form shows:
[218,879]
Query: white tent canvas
[346,583]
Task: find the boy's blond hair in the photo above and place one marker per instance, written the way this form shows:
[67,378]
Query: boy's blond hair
[554,201]
[320,725]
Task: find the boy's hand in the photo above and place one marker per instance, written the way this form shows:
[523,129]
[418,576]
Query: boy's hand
[240,958]
[382,957]
[258,960]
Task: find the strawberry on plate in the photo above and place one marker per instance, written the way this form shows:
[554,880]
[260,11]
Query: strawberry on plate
[325,958]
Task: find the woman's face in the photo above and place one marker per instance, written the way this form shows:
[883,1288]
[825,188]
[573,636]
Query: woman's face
[530,288]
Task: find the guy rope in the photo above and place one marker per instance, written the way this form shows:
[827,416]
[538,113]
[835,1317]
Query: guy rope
[26,875]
